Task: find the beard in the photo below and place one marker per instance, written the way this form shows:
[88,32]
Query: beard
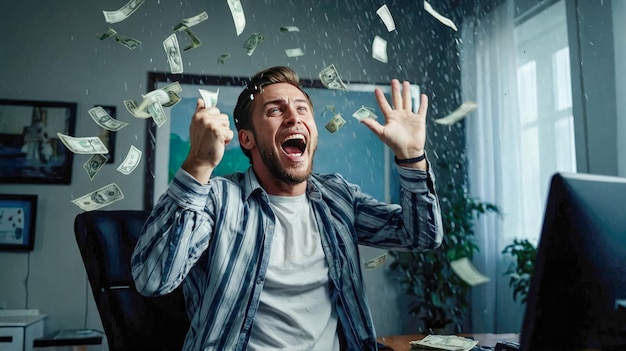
[272,162]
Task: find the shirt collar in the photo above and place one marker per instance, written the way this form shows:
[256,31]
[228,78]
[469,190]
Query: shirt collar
[252,185]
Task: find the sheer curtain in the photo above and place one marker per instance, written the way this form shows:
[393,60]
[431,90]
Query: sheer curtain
[521,133]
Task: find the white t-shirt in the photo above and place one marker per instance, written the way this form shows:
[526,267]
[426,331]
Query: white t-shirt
[295,310]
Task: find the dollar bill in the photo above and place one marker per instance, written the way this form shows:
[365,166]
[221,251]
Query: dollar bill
[330,78]
[172,50]
[191,21]
[94,164]
[253,41]
[363,113]
[172,91]
[104,120]
[195,42]
[158,95]
[238,16]
[384,14]
[128,42]
[223,57]
[444,342]
[130,161]
[286,29]
[83,145]
[376,262]
[335,123]
[294,52]
[209,97]
[158,114]
[465,270]
[131,106]
[441,18]
[458,114]
[99,198]
[123,13]
[109,33]
[379,49]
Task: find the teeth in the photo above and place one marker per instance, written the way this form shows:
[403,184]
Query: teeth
[295,136]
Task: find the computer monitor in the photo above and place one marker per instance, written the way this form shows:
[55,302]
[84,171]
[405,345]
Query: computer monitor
[577,297]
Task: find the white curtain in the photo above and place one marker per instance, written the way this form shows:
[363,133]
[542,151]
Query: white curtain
[519,78]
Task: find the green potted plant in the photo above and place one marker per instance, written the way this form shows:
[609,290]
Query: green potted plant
[520,270]
[436,295]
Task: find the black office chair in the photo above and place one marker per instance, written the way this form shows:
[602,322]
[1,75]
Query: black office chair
[131,321]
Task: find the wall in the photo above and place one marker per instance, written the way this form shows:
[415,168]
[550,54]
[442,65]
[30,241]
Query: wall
[51,53]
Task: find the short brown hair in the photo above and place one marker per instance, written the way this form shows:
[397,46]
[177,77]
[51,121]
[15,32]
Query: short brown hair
[243,110]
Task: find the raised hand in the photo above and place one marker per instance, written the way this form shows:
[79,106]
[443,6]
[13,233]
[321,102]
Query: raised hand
[404,131]
[209,133]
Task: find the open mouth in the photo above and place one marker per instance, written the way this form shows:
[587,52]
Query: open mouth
[294,145]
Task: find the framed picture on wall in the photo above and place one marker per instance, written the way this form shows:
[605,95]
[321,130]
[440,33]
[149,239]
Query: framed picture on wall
[30,150]
[351,150]
[18,214]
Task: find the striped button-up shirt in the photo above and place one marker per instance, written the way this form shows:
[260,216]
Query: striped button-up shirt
[216,240]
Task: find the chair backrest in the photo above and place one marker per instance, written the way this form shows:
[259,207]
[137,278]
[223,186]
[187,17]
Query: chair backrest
[131,321]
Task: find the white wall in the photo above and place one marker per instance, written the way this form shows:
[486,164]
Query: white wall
[50,53]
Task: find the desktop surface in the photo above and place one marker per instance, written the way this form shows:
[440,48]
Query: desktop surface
[402,342]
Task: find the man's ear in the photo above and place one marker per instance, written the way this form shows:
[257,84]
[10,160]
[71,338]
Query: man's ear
[246,139]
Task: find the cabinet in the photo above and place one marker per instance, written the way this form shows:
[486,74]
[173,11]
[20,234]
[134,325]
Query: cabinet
[18,329]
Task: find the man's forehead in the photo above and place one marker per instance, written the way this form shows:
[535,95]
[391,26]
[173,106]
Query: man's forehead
[281,91]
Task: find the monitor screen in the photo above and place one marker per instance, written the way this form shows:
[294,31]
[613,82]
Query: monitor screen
[577,298]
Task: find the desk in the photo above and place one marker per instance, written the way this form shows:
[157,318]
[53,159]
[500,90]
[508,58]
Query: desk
[401,342]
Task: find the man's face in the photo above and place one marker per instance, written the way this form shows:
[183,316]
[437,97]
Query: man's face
[285,134]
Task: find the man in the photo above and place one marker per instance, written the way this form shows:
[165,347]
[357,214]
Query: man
[269,258]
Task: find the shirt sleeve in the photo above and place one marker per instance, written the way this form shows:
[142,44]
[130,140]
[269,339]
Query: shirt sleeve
[176,233]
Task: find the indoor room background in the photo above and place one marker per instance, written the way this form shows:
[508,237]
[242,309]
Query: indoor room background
[515,139]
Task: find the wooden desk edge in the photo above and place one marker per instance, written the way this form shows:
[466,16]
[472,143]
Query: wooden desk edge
[402,342]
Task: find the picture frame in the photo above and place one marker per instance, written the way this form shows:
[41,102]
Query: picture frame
[30,150]
[108,136]
[18,216]
[353,150]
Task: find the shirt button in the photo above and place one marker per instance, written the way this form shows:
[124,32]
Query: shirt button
[271,227]
[259,281]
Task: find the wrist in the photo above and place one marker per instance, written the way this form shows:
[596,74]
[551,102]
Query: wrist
[411,160]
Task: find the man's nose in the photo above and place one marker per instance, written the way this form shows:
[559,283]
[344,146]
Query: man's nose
[291,114]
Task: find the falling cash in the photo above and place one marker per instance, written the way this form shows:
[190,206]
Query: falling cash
[222,59]
[253,41]
[294,52]
[238,17]
[109,33]
[286,29]
[384,14]
[458,114]
[465,270]
[128,42]
[195,42]
[158,114]
[363,113]
[191,21]
[379,49]
[96,199]
[376,262]
[335,123]
[172,50]
[94,164]
[445,20]
[83,145]
[330,78]
[131,161]
[104,120]
[209,97]
[444,343]
[131,106]
[123,13]
[172,91]
[158,95]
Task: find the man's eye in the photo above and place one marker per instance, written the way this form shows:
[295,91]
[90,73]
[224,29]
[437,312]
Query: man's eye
[273,110]
[303,108]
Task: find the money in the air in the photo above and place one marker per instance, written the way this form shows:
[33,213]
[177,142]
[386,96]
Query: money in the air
[102,197]
[83,145]
[109,33]
[335,123]
[384,14]
[458,114]
[441,18]
[128,42]
[191,21]
[379,49]
[286,29]
[209,97]
[253,41]
[223,58]
[94,164]
[130,161]
[236,10]
[296,52]
[193,39]
[157,112]
[123,13]
[376,262]
[363,113]
[172,50]
[329,77]
[104,120]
